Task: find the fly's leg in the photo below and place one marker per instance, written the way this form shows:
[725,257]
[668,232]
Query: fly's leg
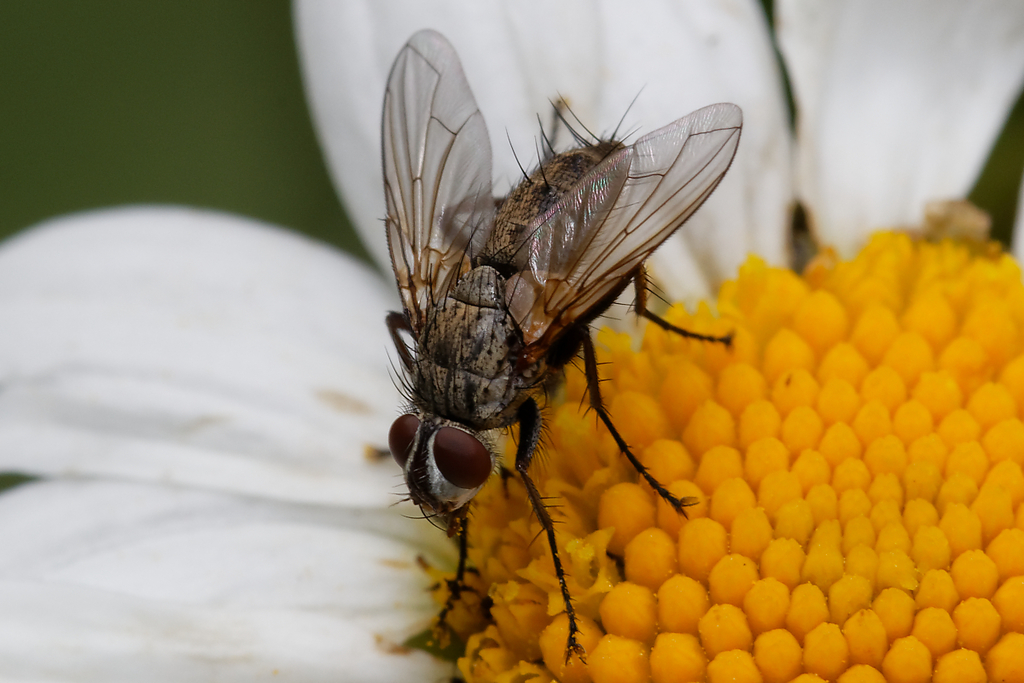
[529,435]
[640,305]
[397,323]
[594,393]
[455,587]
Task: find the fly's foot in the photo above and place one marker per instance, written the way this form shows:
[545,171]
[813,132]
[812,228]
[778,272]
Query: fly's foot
[573,647]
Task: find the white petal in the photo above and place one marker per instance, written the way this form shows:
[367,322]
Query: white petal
[198,348]
[520,57]
[1018,227]
[898,104]
[124,582]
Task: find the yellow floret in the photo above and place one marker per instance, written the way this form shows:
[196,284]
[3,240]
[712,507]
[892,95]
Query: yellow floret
[910,356]
[875,331]
[751,533]
[959,666]
[731,498]
[723,628]
[766,605]
[974,574]
[934,628]
[838,401]
[1005,662]
[668,461]
[908,661]
[702,543]
[994,508]
[938,393]
[872,422]
[843,361]
[826,653]
[977,624]
[1007,551]
[710,425]
[895,608]
[937,590]
[861,673]
[677,658]
[718,464]
[849,595]
[822,500]
[759,420]
[552,647]
[918,512]
[797,387]
[854,460]
[958,427]
[1007,475]
[682,601]
[764,456]
[731,578]
[778,656]
[629,510]
[1005,441]
[933,317]
[630,611]
[866,637]
[961,527]
[1009,602]
[650,558]
[619,660]
[739,385]
[911,421]
[785,353]
[839,443]
[807,609]
[991,404]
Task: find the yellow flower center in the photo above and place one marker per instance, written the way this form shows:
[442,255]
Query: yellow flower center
[857,453]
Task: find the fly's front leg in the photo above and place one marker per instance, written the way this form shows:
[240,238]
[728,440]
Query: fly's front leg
[594,393]
[529,436]
[398,322]
[455,586]
[640,287]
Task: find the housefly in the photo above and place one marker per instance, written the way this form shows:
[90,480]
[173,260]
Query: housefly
[498,295]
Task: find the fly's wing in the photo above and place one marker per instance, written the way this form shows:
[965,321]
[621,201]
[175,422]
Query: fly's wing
[437,172]
[574,256]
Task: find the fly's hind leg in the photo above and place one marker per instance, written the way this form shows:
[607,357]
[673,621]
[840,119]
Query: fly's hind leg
[640,305]
[597,403]
[529,436]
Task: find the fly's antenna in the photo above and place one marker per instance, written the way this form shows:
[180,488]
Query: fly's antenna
[615,133]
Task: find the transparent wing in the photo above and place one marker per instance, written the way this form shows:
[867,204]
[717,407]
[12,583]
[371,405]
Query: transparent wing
[576,254]
[437,172]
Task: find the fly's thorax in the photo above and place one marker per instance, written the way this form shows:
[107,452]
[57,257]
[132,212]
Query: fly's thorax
[534,196]
[466,360]
[444,461]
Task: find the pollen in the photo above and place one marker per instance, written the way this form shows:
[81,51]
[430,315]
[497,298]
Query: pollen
[853,472]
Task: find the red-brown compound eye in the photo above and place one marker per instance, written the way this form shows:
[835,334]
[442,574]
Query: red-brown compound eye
[461,457]
[400,438]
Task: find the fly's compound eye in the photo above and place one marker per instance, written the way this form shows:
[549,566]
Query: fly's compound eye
[461,458]
[400,438]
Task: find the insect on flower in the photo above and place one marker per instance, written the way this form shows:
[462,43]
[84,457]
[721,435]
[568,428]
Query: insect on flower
[498,294]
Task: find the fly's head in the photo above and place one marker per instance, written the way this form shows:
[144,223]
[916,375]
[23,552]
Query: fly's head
[445,462]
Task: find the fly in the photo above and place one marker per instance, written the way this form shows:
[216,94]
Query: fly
[498,295]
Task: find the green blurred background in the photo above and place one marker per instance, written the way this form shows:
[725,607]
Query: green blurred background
[200,102]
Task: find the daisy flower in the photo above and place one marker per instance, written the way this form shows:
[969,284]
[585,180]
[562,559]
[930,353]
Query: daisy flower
[192,394]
